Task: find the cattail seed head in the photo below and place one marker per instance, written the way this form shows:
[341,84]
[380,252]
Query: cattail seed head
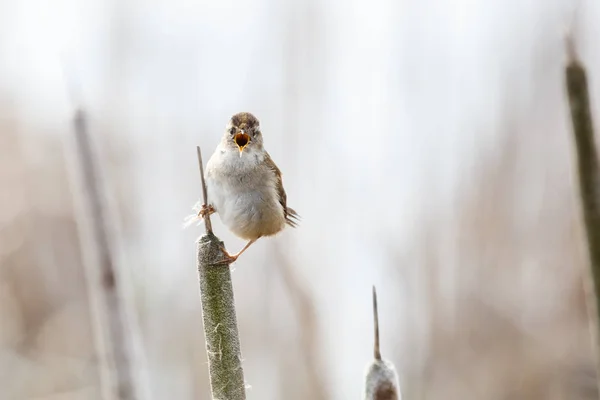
[381,379]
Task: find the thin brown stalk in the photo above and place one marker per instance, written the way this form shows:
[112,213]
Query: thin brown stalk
[307,317]
[118,340]
[207,223]
[376,347]
[587,165]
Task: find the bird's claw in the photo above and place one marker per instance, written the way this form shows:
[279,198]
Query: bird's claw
[227,258]
[226,261]
[205,211]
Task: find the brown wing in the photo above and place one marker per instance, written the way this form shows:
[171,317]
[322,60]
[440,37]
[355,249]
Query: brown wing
[291,217]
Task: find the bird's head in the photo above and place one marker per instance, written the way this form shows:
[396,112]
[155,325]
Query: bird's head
[243,133]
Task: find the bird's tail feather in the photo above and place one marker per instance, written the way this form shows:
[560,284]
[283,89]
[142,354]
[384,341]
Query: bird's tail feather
[292,218]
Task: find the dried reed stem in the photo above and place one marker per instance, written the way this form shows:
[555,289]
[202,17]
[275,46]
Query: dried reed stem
[587,163]
[306,315]
[118,341]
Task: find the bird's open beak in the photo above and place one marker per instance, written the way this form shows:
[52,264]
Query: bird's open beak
[242,140]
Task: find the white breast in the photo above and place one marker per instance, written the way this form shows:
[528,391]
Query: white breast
[243,191]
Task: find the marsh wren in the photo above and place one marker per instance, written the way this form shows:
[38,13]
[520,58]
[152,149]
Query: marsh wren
[245,186]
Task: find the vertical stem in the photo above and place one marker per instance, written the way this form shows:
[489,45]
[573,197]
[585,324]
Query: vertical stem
[115,315]
[381,379]
[218,314]
[220,323]
[589,174]
[207,222]
[376,347]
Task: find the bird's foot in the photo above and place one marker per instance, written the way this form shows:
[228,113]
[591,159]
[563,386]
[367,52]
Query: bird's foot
[206,211]
[227,258]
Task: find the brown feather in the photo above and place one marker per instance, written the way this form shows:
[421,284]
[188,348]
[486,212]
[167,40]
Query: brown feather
[291,216]
[244,120]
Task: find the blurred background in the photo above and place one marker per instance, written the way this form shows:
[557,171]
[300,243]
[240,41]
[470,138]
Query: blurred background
[426,144]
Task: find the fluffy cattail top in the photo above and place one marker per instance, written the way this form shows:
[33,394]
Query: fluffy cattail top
[381,379]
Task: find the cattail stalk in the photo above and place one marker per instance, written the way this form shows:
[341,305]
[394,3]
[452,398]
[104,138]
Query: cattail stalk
[218,314]
[381,379]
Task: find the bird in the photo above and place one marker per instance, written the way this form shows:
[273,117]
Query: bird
[245,186]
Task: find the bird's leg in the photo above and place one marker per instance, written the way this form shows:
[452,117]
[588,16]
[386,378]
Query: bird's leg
[206,211]
[231,258]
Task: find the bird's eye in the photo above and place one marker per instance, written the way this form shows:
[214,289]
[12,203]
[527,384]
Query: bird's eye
[232,130]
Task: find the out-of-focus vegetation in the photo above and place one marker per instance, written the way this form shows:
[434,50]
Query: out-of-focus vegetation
[427,147]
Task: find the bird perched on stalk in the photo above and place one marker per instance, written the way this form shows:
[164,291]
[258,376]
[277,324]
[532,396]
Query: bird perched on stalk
[244,185]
